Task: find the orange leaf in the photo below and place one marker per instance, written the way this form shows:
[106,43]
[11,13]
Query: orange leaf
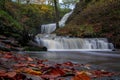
[34,72]
[81,76]
[29,59]
[56,71]
[32,65]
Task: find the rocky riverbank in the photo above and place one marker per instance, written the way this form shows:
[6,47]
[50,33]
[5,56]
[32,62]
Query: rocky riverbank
[11,44]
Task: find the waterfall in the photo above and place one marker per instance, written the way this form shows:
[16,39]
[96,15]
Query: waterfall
[63,43]
[49,28]
[64,19]
[59,43]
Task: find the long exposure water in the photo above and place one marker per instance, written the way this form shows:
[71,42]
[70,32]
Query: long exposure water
[106,60]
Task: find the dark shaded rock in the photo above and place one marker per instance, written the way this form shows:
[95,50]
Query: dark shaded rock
[16,49]
[44,48]
[33,46]
[11,42]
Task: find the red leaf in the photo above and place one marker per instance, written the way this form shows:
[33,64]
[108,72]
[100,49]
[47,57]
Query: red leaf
[49,76]
[98,73]
[2,73]
[9,56]
[11,74]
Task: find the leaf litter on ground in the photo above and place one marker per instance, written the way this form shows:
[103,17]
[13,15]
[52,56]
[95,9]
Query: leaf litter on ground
[15,66]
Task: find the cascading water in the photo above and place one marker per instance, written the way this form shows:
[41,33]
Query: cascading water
[57,43]
[49,28]
[63,43]
[64,19]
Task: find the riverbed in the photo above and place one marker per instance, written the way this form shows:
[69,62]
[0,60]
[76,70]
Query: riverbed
[105,60]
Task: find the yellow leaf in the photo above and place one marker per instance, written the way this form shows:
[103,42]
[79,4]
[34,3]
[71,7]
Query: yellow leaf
[30,71]
[34,72]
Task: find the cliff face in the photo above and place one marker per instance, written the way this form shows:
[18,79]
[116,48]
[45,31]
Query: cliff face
[96,18]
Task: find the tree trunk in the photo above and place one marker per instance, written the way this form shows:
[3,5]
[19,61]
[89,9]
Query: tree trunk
[57,14]
[18,1]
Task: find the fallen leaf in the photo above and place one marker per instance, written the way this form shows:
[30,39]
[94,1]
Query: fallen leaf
[32,65]
[2,73]
[20,65]
[68,64]
[49,77]
[81,76]
[29,59]
[30,71]
[9,56]
[34,72]
[57,71]
[99,73]
[21,77]
[11,74]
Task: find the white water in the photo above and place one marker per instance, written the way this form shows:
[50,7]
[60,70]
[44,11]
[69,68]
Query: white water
[49,28]
[64,19]
[75,44]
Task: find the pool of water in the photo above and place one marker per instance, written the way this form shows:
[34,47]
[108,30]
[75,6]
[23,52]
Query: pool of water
[106,60]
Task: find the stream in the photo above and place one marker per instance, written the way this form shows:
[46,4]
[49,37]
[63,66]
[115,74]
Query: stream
[105,60]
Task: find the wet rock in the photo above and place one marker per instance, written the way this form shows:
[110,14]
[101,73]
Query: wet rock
[16,49]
